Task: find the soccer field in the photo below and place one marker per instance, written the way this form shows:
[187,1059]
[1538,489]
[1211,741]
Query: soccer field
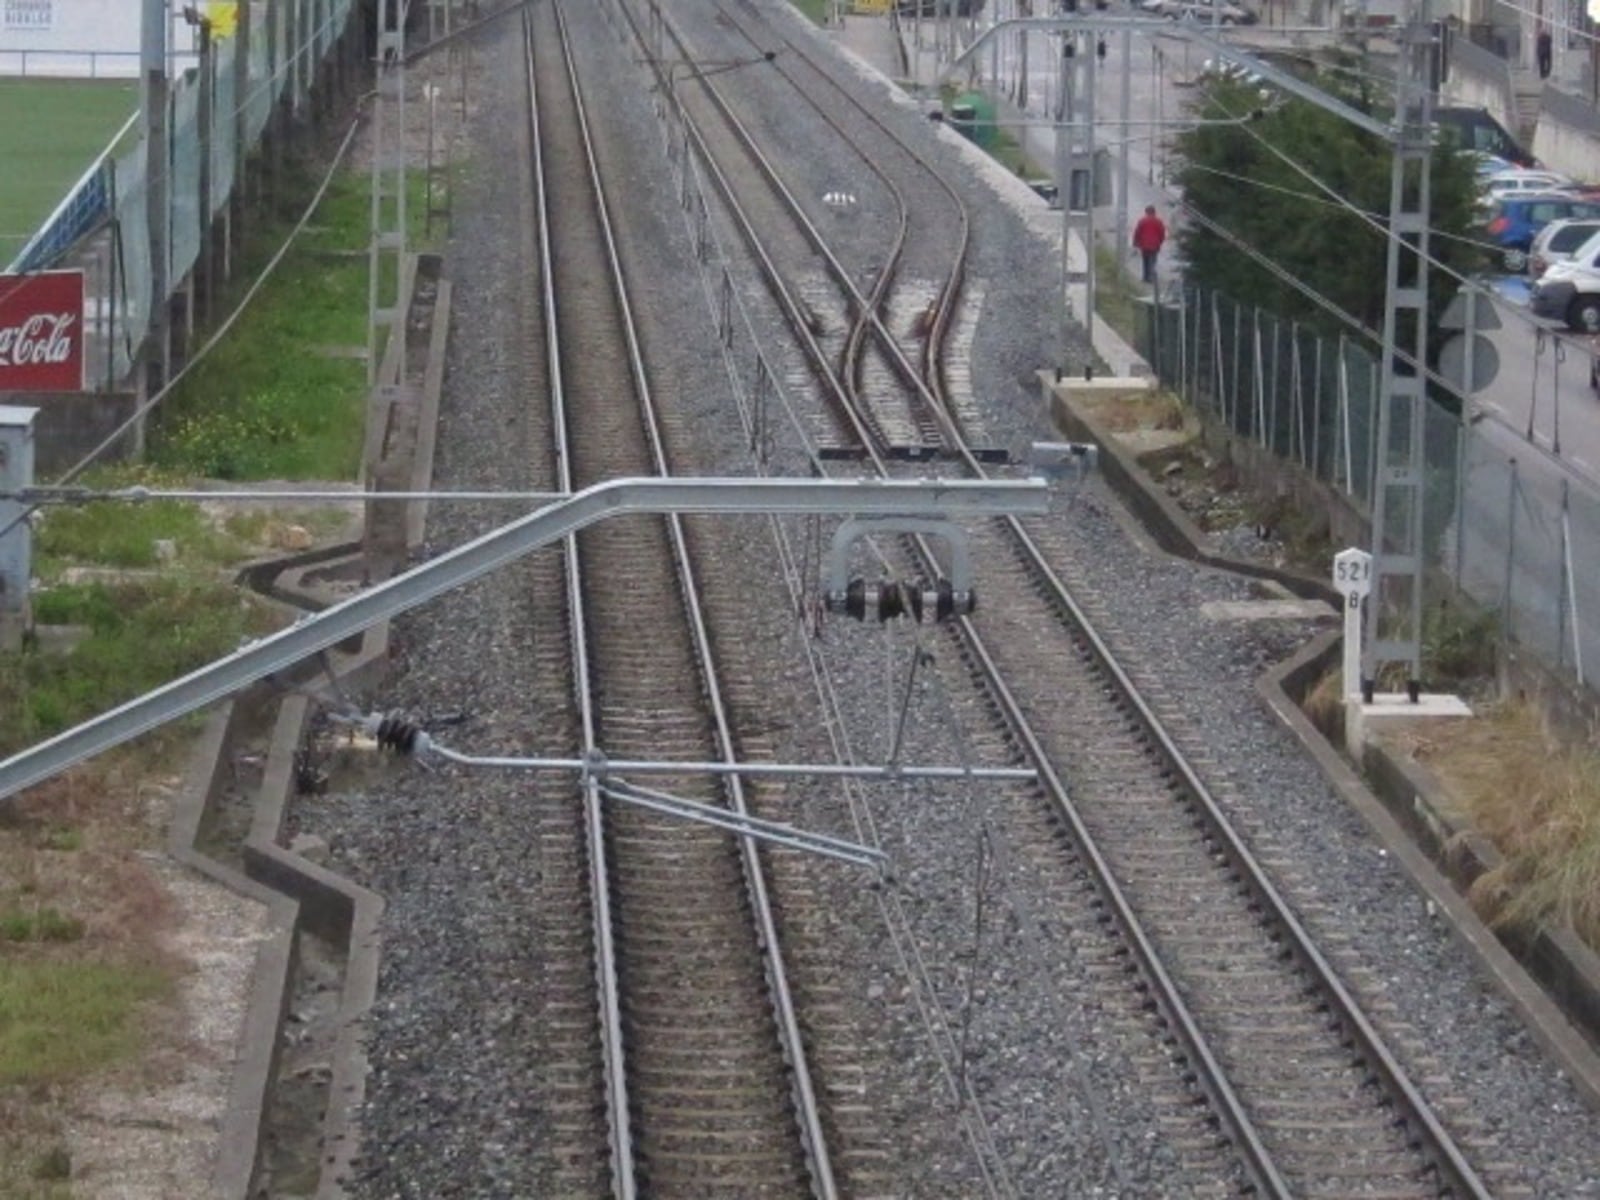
[54,128]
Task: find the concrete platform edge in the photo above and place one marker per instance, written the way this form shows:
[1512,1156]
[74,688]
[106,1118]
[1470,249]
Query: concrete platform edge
[1167,523]
[292,888]
[1552,980]
[239,1138]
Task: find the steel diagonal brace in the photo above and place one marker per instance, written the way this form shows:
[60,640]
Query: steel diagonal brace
[747,826]
[932,498]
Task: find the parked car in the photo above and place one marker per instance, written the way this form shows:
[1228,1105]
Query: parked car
[1570,291]
[1514,220]
[939,8]
[1519,182]
[1203,12]
[1559,241]
[1486,165]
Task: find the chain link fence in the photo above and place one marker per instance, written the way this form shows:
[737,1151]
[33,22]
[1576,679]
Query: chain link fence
[1508,524]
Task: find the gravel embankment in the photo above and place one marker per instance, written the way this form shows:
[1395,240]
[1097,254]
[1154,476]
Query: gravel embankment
[451,1110]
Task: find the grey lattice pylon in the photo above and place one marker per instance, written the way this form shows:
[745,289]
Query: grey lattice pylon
[387,235]
[1394,609]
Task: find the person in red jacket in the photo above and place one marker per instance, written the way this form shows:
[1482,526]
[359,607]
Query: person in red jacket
[1149,232]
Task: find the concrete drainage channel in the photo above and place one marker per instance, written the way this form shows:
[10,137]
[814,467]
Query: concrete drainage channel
[1549,975]
[299,1081]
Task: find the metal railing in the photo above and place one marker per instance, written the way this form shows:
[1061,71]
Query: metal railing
[83,64]
[103,223]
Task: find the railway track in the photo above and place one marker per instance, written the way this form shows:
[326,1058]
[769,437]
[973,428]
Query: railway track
[706,1086]
[1297,1076]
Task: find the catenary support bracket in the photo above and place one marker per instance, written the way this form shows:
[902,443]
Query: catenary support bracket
[940,499]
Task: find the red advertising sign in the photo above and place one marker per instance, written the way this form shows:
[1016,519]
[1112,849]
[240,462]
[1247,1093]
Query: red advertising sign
[41,332]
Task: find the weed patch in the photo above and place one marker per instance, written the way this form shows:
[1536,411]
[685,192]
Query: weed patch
[1539,803]
[40,925]
[280,398]
[1117,296]
[140,635]
[59,1020]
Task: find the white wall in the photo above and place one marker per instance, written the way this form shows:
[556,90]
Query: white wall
[1574,152]
[1464,87]
[80,38]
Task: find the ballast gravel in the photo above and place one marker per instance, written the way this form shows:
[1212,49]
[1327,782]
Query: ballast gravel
[451,1110]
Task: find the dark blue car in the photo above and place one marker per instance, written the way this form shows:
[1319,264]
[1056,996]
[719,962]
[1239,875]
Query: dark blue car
[1514,220]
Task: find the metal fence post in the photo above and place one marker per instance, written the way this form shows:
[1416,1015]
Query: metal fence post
[1570,591]
[1297,429]
[1511,553]
[1258,379]
[16,542]
[1272,407]
[1316,417]
[1462,433]
[1183,344]
[1235,389]
[1344,417]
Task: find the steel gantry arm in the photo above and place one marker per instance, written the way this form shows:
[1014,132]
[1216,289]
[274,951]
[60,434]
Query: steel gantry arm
[941,499]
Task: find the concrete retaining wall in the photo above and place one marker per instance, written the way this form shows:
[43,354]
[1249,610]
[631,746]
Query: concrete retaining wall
[71,424]
[1480,78]
[1550,976]
[1568,135]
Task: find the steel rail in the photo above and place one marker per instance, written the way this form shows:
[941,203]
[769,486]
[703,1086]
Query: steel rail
[793,309]
[790,1037]
[865,325]
[619,1118]
[1445,1154]
[903,366]
[931,345]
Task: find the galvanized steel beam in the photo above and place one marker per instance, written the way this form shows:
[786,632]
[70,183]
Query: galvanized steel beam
[933,498]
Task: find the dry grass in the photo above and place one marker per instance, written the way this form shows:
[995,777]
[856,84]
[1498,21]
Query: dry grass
[79,1011]
[1324,703]
[1540,804]
[1152,409]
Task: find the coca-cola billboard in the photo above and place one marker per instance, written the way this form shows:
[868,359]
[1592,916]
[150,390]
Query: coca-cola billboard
[41,332]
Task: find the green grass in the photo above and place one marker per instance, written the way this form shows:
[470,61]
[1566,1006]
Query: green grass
[140,635]
[38,925]
[126,534]
[1116,295]
[54,128]
[266,404]
[61,1020]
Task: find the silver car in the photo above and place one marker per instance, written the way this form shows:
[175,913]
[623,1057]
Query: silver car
[1202,12]
[1560,241]
[1570,291]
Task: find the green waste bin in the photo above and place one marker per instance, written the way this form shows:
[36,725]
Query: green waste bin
[972,113]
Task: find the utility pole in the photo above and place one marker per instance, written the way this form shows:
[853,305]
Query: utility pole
[1075,161]
[155,108]
[205,75]
[1125,106]
[1394,609]
[387,244]
[241,131]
